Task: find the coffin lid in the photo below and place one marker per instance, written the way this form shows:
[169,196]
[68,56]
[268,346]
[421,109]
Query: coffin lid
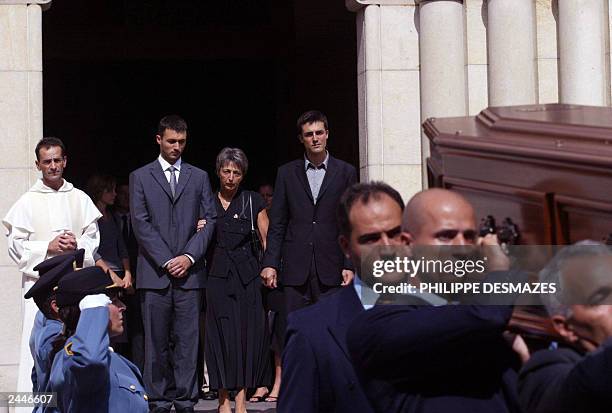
[574,133]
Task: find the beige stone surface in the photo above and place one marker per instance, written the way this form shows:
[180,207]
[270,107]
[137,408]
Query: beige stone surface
[584,72]
[372,135]
[362,122]
[34,30]
[512,52]
[546,28]
[401,118]
[371,173]
[361,39]
[548,81]
[399,38]
[15,183]
[477,88]
[11,297]
[476,31]
[8,378]
[13,37]
[34,113]
[14,118]
[405,178]
[371,40]
[547,54]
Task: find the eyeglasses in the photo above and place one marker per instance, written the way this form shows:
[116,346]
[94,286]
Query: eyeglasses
[310,134]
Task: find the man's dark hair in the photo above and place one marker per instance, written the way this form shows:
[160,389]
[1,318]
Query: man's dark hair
[172,122]
[362,192]
[46,143]
[310,117]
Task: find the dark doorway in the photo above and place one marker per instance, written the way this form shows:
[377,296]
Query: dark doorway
[239,71]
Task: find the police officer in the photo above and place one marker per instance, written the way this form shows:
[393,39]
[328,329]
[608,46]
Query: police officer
[87,374]
[49,326]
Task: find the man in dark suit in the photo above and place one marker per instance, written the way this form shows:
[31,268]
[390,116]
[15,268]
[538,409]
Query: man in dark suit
[318,375]
[427,357]
[167,197]
[302,241]
[575,376]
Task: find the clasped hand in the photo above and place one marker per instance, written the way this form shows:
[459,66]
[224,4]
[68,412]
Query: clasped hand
[178,266]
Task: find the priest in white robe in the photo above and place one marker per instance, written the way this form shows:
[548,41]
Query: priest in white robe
[52,218]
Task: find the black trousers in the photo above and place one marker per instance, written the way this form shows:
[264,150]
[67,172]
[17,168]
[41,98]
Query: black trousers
[313,290]
[171,324]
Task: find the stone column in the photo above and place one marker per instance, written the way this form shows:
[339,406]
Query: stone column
[21,118]
[511,35]
[442,50]
[584,70]
[388,84]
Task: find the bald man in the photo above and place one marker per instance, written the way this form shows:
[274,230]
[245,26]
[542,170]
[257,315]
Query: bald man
[427,358]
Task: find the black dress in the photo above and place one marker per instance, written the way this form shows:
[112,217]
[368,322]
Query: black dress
[237,339]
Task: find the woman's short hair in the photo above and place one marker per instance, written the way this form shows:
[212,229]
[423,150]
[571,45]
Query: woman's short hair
[98,183]
[235,155]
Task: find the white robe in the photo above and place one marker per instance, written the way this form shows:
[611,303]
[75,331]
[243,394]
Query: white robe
[33,221]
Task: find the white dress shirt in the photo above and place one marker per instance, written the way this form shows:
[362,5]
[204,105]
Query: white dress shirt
[165,165]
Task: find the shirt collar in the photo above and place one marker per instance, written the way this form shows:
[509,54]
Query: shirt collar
[366,295]
[165,164]
[325,162]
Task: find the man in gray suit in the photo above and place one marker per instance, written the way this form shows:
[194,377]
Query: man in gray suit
[167,197]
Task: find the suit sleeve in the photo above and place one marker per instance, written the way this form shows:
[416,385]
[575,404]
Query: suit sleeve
[147,235]
[198,244]
[388,341]
[352,179]
[587,386]
[299,392]
[279,217]
[87,352]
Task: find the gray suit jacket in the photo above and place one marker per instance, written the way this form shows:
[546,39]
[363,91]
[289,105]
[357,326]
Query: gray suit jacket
[166,228]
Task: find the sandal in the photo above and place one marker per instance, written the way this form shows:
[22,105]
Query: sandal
[258,399]
[271,399]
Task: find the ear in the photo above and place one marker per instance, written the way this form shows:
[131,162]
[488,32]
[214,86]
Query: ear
[408,237]
[65,161]
[565,330]
[54,307]
[158,139]
[301,138]
[344,244]
[37,165]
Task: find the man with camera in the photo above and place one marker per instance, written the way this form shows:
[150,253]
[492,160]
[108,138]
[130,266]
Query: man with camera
[429,355]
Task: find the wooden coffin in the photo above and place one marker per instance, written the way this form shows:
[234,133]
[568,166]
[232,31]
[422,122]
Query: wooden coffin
[547,167]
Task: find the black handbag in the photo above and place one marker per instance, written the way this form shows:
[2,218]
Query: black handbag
[256,243]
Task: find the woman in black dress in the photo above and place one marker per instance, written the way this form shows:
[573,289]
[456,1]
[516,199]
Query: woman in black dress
[237,341]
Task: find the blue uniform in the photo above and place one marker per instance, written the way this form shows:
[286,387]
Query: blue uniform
[39,320]
[47,332]
[89,377]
